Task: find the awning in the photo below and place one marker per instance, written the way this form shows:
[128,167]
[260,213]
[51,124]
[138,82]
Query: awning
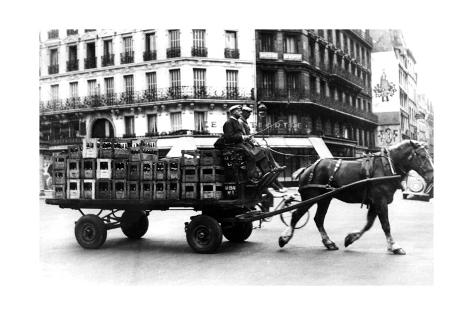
[182,143]
[320,147]
[285,142]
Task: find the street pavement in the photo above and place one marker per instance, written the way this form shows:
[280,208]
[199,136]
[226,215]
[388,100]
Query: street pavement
[163,257]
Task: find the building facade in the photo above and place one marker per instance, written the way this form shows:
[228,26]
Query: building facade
[163,83]
[425,121]
[394,88]
[316,83]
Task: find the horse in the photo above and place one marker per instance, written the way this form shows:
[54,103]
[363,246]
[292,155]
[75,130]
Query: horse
[328,173]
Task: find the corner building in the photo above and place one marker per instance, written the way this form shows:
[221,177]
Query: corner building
[315,83]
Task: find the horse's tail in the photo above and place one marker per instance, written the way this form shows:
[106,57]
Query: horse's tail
[298,173]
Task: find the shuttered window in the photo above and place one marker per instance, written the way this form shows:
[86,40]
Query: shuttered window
[175,78]
[199,78]
[174,39]
[198,38]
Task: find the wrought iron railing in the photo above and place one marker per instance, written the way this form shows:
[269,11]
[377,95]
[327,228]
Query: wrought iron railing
[232,53]
[72,32]
[149,55]
[127,57]
[90,62]
[108,60]
[199,51]
[339,71]
[53,34]
[53,69]
[173,52]
[72,65]
[146,96]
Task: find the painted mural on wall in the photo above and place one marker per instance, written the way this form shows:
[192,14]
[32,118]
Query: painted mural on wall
[387,136]
[384,88]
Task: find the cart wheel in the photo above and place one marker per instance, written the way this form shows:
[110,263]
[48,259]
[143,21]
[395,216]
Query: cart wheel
[134,224]
[204,234]
[238,231]
[90,231]
[286,219]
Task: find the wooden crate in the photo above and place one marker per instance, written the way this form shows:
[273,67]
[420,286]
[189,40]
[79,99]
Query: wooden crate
[120,150]
[59,177]
[59,191]
[133,189]
[119,169]
[173,171]
[119,189]
[59,162]
[211,191]
[134,170]
[104,168]
[173,190]
[88,188]
[211,174]
[146,190]
[190,158]
[73,189]
[210,157]
[105,149]
[89,168]
[146,170]
[189,191]
[159,190]
[103,189]
[190,174]
[89,148]
[75,151]
[160,168]
[73,168]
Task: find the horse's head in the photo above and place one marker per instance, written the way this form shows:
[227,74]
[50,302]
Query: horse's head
[413,155]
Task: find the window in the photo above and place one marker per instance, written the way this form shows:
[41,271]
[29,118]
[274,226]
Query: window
[150,42]
[200,121]
[231,40]
[152,123]
[175,79]
[129,86]
[267,42]
[176,121]
[72,53]
[129,125]
[92,87]
[198,38]
[199,82]
[174,39]
[109,87]
[292,81]
[151,81]
[73,89]
[53,34]
[55,92]
[232,83]
[53,61]
[290,44]
[127,44]
[107,47]
[267,83]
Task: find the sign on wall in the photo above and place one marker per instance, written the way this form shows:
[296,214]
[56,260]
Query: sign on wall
[387,136]
[384,88]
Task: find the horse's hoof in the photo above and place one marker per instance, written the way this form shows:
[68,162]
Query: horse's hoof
[398,251]
[282,242]
[330,245]
[350,238]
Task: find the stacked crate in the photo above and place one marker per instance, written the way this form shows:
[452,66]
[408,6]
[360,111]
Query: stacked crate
[212,175]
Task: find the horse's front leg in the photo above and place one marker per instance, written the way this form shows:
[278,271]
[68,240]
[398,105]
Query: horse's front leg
[370,217]
[384,219]
[289,231]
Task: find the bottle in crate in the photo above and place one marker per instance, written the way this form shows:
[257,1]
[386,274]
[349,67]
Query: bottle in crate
[146,190]
[59,161]
[210,157]
[146,170]
[173,190]
[160,190]
[89,167]
[120,150]
[103,189]
[119,189]
[59,191]
[133,189]
[190,174]
[189,191]
[211,191]
[119,169]
[134,170]
[73,168]
[190,158]
[88,188]
[89,148]
[160,170]
[104,168]
[149,150]
[75,151]
[105,149]
[73,189]
[211,174]
[173,170]
[135,151]
[59,177]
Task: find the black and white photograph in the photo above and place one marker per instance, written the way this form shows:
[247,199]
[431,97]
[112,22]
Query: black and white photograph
[274,165]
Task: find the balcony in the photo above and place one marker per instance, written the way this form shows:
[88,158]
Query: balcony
[173,52]
[199,52]
[232,53]
[71,32]
[149,55]
[90,62]
[281,94]
[340,72]
[53,34]
[146,96]
[127,57]
[72,65]
[129,135]
[60,140]
[53,69]
[108,60]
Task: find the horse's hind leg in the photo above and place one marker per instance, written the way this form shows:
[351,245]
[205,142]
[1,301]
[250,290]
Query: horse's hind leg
[370,217]
[322,207]
[384,219]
